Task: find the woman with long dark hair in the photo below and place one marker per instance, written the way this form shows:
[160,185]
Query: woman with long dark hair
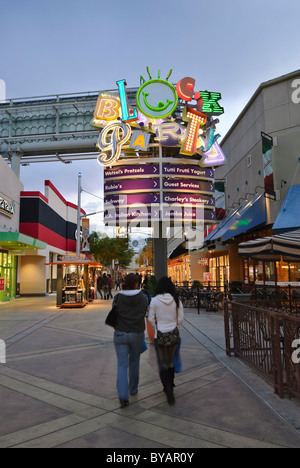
[132,305]
[166,315]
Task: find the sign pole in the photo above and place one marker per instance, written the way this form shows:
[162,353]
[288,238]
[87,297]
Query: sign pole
[78,216]
[160,240]
[160,243]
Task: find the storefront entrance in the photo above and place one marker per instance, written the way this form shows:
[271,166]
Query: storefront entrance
[8,281]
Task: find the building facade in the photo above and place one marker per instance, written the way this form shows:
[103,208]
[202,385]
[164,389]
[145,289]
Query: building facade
[13,243]
[35,229]
[261,177]
[50,219]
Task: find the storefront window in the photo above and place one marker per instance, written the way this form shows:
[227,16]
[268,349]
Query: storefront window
[259,271]
[295,272]
[219,268]
[282,272]
[246,272]
[251,272]
[270,271]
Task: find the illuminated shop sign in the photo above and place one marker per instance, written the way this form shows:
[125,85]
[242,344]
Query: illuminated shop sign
[159,105]
[6,207]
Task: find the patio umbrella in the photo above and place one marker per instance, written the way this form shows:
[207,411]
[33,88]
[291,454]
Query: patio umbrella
[284,247]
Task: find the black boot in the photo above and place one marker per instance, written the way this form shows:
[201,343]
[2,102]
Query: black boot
[166,378]
[172,376]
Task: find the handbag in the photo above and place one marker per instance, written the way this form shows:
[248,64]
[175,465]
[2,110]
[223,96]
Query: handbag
[168,339]
[112,318]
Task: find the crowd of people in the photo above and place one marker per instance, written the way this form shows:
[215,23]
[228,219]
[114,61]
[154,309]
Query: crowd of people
[165,314]
[105,284]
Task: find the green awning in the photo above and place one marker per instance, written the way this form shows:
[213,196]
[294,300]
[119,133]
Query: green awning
[17,241]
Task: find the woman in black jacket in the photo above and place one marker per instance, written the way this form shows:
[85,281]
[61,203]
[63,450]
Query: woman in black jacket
[132,305]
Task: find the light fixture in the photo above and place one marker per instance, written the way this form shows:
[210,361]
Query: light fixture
[282,183]
[259,186]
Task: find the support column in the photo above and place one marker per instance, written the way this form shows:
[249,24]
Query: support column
[160,240]
[160,250]
[16,163]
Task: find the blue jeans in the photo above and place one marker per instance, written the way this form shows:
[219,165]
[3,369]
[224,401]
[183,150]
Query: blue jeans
[128,348]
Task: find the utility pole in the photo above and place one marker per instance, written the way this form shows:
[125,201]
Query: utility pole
[78,216]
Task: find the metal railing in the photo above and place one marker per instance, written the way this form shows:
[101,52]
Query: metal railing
[266,340]
[196,298]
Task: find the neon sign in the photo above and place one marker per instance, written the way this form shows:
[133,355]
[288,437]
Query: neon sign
[127,115]
[157,98]
[157,101]
[107,108]
[111,139]
[194,119]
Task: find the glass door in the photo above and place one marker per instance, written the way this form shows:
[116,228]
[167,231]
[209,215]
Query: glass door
[8,275]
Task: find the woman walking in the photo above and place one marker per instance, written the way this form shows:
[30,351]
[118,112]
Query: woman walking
[132,305]
[166,315]
[105,286]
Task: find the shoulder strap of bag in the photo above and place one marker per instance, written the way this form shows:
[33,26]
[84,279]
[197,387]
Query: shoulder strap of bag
[116,298]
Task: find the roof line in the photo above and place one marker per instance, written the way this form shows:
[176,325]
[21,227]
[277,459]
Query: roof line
[263,85]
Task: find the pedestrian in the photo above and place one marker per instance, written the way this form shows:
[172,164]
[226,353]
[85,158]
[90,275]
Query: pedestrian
[110,287]
[99,286]
[118,284]
[105,286]
[166,315]
[132,305]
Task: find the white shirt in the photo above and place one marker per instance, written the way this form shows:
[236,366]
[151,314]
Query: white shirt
[163,307]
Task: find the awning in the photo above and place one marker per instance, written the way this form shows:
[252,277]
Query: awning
[250,215]
[18,241]
[288,218]
[273,248]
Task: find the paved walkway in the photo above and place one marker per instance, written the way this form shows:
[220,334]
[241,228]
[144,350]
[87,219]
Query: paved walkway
[57,388]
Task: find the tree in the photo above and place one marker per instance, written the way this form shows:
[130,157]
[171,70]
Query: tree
[146,256]
[106,249]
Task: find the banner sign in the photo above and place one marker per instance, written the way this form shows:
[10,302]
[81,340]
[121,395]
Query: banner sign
[128,172]
[153,213]
[131,186]
[127,200]
[267,144]
[188,171]
[85,235]
[2,284]
[151,198]
[182,199]
[189,186]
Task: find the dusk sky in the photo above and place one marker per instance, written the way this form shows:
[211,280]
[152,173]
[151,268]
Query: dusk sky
[68,46]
